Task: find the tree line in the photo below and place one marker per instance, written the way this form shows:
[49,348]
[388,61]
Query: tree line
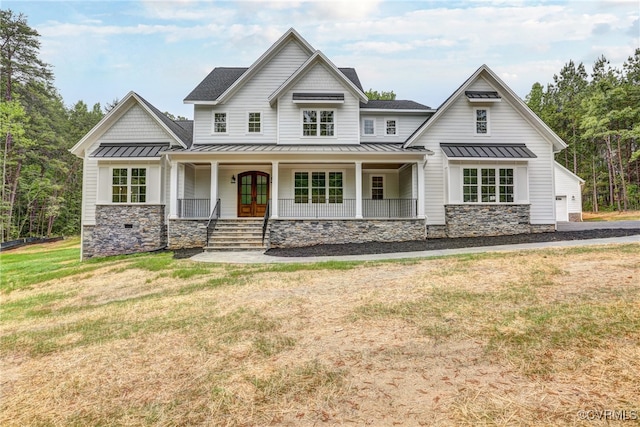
[598,116]
[41,181]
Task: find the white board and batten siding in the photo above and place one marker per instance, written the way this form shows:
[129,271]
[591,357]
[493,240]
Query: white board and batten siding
[319,79]
[133,126]
[251,97]
[443,179]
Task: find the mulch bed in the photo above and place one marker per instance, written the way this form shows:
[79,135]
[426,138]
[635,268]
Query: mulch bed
[436,244]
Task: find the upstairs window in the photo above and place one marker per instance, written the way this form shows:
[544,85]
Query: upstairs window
[219,122]
[318,123]
[254,125]
[482,121]
[125,190]
[368,126]
[391,127]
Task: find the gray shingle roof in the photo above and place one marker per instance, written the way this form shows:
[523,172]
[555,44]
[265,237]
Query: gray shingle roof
[400,104]
[215,83]
[495,151]
[221,78]
[127,150]
[329,148]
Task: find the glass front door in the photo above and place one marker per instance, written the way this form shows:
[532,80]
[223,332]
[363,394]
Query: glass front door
[253,194]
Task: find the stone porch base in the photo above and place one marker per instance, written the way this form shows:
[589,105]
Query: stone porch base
[297,233]
[125,229]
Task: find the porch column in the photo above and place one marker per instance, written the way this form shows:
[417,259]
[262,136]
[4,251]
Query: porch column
[214,186]
[173,191]
[274,188]
[420,196]
[358,189]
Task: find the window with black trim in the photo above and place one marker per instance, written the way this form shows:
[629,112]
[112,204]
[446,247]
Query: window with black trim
[125,190]
[482,121]
[219,122]
[488,185]
[377,187]
[318,187]
[254,124]
[318,123]
[391,126]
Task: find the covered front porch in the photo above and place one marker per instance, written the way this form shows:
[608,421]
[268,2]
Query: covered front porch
[296,190]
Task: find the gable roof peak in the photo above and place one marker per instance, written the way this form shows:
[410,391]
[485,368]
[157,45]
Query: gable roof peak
[315,58]
[518,104]
[181,135]
[289,35]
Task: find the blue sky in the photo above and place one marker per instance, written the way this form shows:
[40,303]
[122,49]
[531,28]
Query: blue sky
[422,50]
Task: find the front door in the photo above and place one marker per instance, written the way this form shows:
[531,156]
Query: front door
[253,193]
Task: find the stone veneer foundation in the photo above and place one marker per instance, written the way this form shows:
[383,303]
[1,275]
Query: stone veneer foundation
[469,220]
[489,220]
[187,233]
[306,232]
[125,229]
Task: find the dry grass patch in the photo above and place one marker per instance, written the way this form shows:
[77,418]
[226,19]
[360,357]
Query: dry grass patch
[519,338]
[611,216]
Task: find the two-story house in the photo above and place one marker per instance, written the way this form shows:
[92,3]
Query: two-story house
[293,143]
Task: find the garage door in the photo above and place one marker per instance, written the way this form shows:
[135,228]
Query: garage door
[562,211]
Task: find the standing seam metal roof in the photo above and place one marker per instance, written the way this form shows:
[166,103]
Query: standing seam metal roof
[496,151]
[356,148]
[127,150]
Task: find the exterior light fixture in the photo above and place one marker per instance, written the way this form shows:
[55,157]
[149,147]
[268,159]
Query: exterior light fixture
[233,179]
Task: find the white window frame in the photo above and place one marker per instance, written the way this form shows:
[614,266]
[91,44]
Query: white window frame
[261,123]
[318,111]
[129,170]
[475,121]
[213,123]
[310,187]
[386,126]
[479,184]
[383,186]
[364,120]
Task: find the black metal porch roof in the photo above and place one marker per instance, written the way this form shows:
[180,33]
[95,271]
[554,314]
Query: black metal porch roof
[487,151]
[128,150]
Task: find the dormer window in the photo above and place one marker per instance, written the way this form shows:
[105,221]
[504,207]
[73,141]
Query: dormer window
[481,121]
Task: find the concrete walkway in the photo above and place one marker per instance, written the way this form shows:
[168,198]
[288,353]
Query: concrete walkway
[255,257]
